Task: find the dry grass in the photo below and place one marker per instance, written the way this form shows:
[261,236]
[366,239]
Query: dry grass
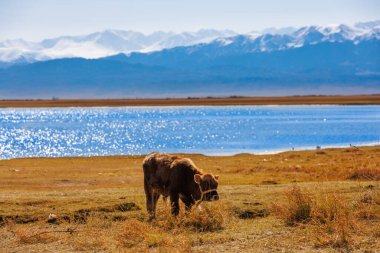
[367,206]
[210,218]
[333,217]
[30,235]
[335,220]
[365,174]
[141,236]
[101,201]
[298,208]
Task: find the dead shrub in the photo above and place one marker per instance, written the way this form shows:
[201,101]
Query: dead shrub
[298,207]
[332,215]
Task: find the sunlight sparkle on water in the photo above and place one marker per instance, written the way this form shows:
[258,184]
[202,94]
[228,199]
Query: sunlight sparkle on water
[56,132]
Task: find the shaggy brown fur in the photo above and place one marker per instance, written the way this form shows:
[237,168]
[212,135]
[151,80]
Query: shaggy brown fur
[178,178]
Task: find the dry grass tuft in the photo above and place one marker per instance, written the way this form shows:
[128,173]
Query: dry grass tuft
[170,234]
[298,207]
[368,206]
[332,217]
[27,235]
[93,236]
[92,240]
[334,220]
[210,218]
[364,173]
[141,236]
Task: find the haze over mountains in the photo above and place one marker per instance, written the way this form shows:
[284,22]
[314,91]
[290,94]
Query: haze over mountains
[331,59]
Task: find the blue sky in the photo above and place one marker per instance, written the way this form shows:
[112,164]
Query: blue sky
[38,19]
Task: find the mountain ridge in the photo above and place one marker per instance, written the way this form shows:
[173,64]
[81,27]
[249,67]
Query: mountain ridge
[111,42]
[320,60]
[321,69]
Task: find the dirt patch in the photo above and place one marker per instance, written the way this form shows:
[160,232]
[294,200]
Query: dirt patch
[252,203]
[127,206]
[269,182]
[18,219]
[81,215]
[2,221]
[122,207]
[251,213]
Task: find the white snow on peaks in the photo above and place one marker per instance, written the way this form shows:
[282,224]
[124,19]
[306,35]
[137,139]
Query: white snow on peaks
[68,48]
[111,42]
[101,44]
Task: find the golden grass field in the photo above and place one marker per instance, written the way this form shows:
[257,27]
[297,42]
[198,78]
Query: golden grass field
[299,201]
[234,100]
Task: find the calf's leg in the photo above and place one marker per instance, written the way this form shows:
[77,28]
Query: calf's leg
[150,205]
[155,197]
[174,198]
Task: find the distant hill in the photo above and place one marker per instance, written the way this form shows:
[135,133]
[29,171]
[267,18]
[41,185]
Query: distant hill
[312,60]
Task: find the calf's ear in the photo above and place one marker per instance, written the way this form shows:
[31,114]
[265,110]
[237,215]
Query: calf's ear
[216,177]
[197,178]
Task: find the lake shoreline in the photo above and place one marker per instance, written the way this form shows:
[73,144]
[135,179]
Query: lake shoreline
[214,155]
[197,101]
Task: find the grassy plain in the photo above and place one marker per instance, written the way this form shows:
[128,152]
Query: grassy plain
[299,201]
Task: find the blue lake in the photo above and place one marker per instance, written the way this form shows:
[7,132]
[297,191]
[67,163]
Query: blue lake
[217,130]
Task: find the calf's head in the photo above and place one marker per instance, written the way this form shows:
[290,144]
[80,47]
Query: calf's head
[208,185]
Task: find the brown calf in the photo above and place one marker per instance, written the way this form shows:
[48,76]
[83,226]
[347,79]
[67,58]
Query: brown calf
[178,178]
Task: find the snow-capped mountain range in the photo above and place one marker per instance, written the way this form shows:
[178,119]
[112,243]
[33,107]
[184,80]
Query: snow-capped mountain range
[331,59]
[310,35]
[112,42]
[102,44]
